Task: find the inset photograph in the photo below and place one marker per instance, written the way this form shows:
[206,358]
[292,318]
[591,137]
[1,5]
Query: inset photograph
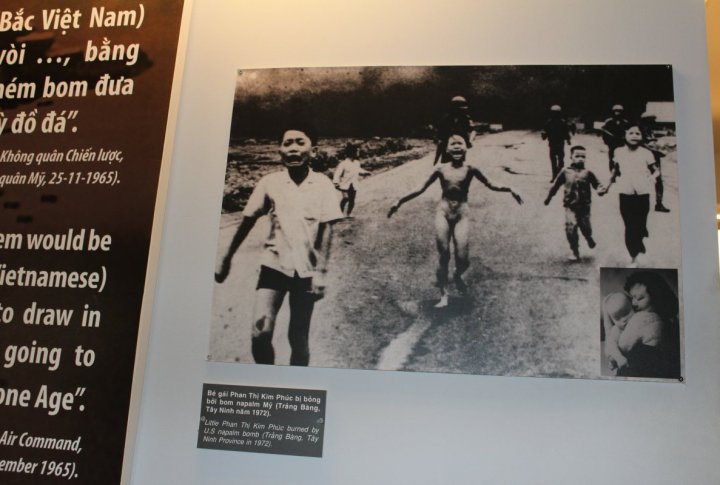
[641,328]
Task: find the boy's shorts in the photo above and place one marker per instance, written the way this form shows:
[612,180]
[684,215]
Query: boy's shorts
[273,279]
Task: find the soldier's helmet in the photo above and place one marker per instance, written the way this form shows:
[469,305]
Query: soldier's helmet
[459,102]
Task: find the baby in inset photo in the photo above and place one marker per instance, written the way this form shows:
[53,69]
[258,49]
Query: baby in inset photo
[617,312]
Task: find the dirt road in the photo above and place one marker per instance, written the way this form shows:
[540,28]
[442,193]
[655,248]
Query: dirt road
[529,310]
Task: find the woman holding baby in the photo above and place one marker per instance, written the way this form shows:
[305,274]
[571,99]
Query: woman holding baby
[642,328]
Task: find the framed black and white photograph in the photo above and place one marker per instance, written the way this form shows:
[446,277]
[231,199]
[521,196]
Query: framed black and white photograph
[443,219]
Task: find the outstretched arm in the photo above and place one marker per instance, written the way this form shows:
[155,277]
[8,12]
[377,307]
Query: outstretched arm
[654,169]
[337,176]
[246,224]
[559,180]
[479,175]
[613,175]
[601,190]
[414,193]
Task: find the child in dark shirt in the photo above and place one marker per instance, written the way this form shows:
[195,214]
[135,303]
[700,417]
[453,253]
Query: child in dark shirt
[578,183]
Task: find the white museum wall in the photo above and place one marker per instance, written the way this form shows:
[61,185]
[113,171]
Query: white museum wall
[392,427]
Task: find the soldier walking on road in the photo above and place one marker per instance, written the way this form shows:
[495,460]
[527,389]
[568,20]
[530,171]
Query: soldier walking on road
[647,124]
[457,120]
[613,133]
[557,132]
